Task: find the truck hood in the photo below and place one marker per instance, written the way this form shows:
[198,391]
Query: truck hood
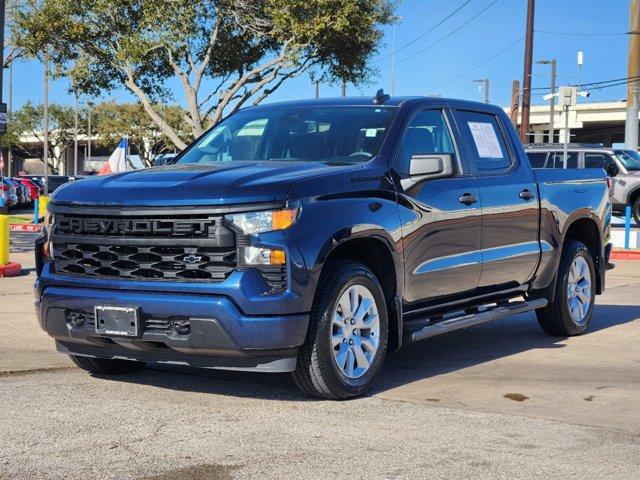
[193,184]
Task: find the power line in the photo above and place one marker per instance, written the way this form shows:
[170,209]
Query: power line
[601,84]
[511,45]
[580,34]
[447,35]
[422,35]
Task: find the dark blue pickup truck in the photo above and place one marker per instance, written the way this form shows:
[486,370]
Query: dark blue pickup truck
[313,236]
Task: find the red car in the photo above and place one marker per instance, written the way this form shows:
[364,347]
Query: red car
[33,188]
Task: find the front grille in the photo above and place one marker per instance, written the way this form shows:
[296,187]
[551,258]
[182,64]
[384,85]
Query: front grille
[188,247]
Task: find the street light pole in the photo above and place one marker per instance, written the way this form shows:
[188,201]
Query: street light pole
[75,136]
[46,124]
[89,132]
[552,100]
[10,111]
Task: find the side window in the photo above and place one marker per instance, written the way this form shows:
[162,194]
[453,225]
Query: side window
[427,133]
[488,147]
[596,160]
[537,159]
[557,160]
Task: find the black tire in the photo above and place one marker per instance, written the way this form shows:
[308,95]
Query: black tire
[555,319]
[102,366]
[635,210]
[317,373]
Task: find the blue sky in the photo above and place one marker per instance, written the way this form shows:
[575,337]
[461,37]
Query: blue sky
[437,62]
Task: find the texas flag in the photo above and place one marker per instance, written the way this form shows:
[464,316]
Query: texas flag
[118,160]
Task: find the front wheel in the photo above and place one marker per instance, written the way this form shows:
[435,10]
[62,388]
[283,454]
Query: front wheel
[572,308]
[347,338]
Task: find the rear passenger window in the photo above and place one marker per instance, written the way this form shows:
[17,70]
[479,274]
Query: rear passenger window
[537,159]
[557,160]
[488,147]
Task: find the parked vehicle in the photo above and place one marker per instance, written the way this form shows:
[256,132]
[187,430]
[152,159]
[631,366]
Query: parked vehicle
[9,192]
[22,192]
[312,237]
[622,165]
[34,190]
[54,181]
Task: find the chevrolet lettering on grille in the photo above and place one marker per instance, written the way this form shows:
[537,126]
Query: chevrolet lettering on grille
[110,226]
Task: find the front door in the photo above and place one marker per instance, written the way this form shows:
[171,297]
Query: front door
[510,247]
[441,217]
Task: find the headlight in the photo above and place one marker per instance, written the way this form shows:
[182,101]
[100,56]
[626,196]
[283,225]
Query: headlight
[260,222]
[265,221]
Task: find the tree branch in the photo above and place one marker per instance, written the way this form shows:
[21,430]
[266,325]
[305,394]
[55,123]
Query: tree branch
[148,107]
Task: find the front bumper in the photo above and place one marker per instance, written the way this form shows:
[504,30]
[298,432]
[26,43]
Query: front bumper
[219,334]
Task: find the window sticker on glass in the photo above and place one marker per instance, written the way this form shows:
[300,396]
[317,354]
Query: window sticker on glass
[486,140]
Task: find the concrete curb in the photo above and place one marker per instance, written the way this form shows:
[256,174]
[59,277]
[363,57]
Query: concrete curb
[24,227]
[625,255]
[11,269]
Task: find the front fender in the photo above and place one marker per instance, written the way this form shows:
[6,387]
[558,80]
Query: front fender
[327,223]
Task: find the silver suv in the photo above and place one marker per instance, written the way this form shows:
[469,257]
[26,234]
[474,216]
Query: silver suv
[620,164]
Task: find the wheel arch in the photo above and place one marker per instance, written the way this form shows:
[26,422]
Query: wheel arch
[379,255]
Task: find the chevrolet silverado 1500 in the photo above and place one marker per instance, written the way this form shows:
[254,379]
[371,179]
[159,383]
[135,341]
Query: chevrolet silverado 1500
[312,237]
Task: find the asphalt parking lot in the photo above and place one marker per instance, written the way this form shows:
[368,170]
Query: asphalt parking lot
[502,400]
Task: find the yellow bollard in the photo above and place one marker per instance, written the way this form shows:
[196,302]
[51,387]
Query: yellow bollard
[4,239]
[43,201]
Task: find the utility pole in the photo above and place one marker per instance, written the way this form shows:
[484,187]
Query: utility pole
[344,88]
[526,80]
[317,89]
[633,72]
[393,61]
[515,102]
[485,87]
[46,124]
[75,136]
[552,100]
[2,15]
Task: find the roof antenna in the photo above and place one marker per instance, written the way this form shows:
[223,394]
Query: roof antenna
[380,97]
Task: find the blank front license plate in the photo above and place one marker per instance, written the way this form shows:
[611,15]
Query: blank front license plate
[121,321]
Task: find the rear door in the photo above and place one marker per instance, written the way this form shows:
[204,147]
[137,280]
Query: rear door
[510,248]
[441,218]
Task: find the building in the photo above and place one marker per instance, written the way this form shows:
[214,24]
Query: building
[589,122]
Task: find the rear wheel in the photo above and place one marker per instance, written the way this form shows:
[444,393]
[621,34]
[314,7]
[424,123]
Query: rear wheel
[102,366]
[571,311]
[635,209]
[347,338]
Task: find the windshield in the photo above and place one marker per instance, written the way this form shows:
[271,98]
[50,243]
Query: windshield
[629,158]
[333,135]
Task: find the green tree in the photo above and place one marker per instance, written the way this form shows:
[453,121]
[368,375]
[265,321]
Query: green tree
[223,53]
[114,121]
[27,124]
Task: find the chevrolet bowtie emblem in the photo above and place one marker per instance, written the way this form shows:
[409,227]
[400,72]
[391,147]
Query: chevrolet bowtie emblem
[191,259]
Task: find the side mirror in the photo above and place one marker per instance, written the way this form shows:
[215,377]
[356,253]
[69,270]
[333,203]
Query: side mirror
[611,169]
[431,165]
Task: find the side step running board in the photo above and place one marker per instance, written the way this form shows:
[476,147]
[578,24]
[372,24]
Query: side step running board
[470,320]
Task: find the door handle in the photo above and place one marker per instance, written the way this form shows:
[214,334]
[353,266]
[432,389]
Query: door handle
[468,199]
[526,194]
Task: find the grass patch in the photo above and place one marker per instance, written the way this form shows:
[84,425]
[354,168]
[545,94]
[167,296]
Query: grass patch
[20,219]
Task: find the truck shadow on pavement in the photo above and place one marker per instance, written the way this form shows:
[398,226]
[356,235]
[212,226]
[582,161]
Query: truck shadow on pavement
[437,356]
